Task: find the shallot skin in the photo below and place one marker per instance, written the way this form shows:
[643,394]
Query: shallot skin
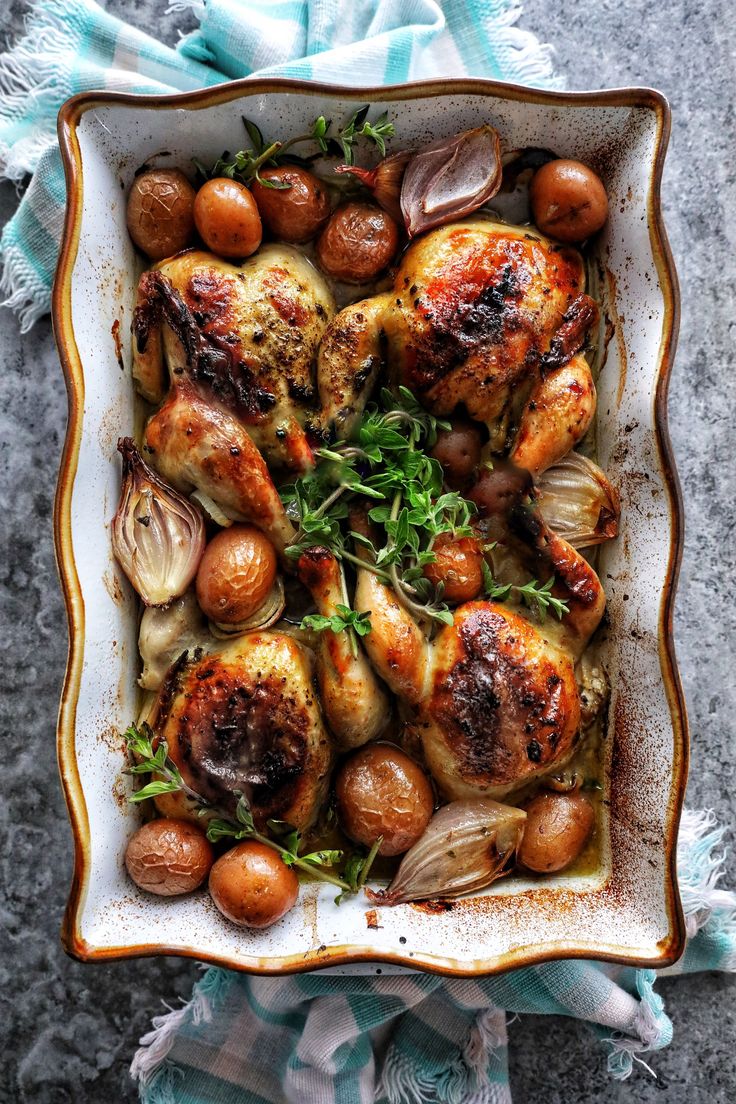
[466,847]
[158,535]
[450,179]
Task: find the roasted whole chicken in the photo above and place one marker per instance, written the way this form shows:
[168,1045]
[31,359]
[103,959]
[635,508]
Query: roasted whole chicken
[486,316]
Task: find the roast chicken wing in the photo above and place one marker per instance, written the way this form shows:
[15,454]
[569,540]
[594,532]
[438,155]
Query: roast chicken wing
[246,720]
[196,442]
[246,336]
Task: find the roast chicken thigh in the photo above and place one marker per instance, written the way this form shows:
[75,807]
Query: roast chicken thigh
[246,720]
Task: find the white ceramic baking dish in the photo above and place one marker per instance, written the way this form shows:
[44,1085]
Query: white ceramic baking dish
[628,910]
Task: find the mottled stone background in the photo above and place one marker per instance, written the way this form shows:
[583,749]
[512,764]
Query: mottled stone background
[69,1030]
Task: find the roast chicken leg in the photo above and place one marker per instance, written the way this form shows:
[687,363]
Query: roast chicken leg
[356,706]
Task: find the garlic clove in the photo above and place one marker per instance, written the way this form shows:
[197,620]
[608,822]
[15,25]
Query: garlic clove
[158,536]
[450,179]
[466,846]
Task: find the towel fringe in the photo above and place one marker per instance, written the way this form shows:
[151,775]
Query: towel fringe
[650,1031]
[150,1066]
[402,1083]
[35,75]
[21,288]
[700,862]
[197,7]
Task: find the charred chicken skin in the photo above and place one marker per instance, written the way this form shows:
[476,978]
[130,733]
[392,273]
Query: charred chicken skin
[490,317]
[246,720]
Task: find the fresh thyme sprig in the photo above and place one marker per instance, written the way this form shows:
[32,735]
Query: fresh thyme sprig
[244,828]
[139,742]
[245,165]
[150,760]
[385,459]
[536,597]
[345,618]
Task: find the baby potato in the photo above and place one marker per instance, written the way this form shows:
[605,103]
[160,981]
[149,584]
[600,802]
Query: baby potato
[252,886]
[358,243]
[235,574]
[160,212]
[458,450]
[227,218]
[568,200]
[296,213]
[458,567]
[168,857]
[382,792]
[557,828]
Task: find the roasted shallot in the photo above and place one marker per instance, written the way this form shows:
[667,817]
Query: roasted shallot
[450,179]
[467,845]
[158,536]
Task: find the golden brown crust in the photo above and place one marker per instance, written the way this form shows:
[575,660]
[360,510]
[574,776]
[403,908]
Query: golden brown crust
[193,443]
[477,304]
[247,720]
[504,703]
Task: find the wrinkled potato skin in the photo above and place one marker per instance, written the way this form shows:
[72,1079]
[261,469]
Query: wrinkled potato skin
[382,792]
[160,212]
[296,213]
[227,218]
[358,243]
[252,886]
[568,200]
[458,450]
[235,574]
[557,828]
[168,857]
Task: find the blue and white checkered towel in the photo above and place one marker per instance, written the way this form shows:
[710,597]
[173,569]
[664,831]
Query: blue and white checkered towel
[319,1039]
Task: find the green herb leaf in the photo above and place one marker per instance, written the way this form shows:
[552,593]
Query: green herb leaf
[345,618]
[153,789]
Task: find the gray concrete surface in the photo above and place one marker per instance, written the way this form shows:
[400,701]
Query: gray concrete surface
[69,1030]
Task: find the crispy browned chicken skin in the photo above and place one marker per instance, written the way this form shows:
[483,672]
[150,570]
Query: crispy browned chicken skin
[247,719]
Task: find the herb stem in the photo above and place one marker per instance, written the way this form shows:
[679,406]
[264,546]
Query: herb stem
[308,868]
[370,858]
[366,564]
[267,155]
[330,500]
